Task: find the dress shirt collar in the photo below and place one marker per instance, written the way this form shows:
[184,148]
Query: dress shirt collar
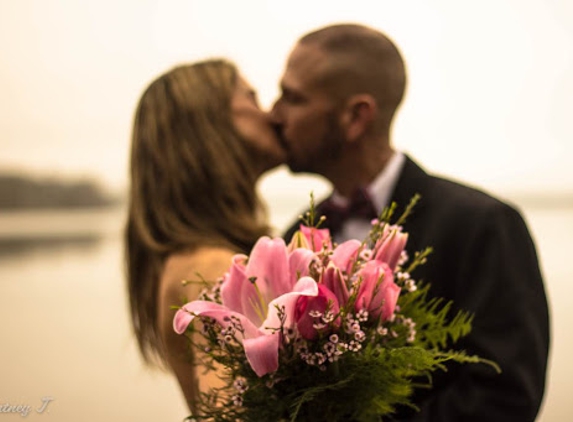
[382,186]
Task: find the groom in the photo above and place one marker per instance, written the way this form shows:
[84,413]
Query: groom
[340,91]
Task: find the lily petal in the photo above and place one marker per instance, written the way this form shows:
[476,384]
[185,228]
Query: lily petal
[333,279]
[371,274]
[391,292]
[377,293]
[345,254]
[298,241]
[269,264]
[317,238]
[181,321]
[306,286]
[231,289]
[221,314]
[325,299]
[389,248]
[263,353]
[299,264]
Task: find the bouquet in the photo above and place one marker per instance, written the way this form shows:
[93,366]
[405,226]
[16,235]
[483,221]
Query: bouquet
[317,331]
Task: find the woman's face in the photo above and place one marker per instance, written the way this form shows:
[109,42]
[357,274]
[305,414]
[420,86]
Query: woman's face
[255,127]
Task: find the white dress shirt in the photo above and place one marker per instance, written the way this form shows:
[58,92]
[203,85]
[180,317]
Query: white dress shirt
[379,190]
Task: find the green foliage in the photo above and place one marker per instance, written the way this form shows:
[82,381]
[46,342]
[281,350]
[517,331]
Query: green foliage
[374,381]
[431,316]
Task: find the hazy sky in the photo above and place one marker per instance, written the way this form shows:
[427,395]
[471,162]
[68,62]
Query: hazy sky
[490,97]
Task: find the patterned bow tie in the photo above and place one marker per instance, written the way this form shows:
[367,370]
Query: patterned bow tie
[360,206]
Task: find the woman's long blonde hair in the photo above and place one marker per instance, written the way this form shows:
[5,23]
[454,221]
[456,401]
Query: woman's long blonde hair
[192,183]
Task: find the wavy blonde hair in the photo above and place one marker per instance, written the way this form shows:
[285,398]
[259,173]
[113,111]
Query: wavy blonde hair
[192,183]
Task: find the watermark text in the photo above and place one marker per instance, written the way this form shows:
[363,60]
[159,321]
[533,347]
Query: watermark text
[23,409]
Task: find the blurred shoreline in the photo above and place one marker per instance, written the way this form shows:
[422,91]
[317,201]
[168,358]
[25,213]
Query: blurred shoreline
[40,228]
[20,191]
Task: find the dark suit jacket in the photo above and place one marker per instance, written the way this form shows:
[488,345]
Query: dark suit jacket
[485,261]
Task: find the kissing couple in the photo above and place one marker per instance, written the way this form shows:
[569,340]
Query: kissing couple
[200,143]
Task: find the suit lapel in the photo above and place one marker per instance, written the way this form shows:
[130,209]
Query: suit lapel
[412,180]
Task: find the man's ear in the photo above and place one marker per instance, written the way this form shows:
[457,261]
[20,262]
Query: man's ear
[358,116]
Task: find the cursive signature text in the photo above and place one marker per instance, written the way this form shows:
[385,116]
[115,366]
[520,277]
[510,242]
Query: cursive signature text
[25,409]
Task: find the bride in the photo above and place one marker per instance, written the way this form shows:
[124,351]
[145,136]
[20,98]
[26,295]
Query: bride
[199,145]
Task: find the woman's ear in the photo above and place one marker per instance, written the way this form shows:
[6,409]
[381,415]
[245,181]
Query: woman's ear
[358,116]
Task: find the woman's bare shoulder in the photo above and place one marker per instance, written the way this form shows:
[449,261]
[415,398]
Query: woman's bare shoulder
[183,272]
[208,261]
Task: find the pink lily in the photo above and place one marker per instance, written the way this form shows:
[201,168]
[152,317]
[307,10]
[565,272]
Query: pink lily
[390,246]
[377,293]
[316,238]
[333,279]
[256,291]
[324,302]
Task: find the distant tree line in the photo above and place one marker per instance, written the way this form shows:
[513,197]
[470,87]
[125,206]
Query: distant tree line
[19,191]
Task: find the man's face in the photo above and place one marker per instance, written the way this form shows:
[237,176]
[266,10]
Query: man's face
[305,115]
